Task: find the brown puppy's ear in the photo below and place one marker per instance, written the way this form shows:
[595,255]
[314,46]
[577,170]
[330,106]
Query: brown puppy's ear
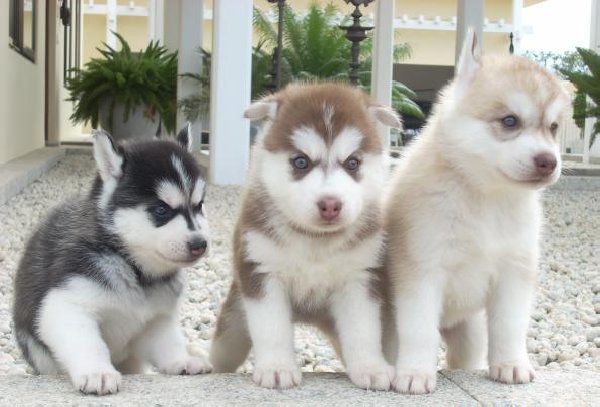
[109,159]
[265,108]
[386,115]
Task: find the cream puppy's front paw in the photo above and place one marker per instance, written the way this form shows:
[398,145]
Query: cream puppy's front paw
[371,375]
[277,376]
[100,381]
[410,381]
[190,366]
[512,373]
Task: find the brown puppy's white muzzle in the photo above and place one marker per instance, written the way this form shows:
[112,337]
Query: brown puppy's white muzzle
[329,208]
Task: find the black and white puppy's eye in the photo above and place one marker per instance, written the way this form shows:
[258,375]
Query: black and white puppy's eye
[162,211]
[553,127]
[352,164]
[301,162]
[510,121]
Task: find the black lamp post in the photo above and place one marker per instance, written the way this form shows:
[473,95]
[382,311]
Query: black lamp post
[356,33]
[276,64]
[511,47]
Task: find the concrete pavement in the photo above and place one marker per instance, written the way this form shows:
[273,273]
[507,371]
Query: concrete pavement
[552,387]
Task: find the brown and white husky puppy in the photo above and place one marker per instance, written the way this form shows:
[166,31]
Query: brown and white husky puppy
[309,237]
[463,221]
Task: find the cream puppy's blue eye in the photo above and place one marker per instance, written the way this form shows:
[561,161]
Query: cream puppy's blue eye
[510,121]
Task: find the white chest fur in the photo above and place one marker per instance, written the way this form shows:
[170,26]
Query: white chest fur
[478,241]
[312,268]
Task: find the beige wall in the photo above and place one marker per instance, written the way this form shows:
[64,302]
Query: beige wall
[22,96]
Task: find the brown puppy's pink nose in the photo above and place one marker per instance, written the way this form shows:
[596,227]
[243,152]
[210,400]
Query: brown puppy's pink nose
[329,208]
[545,164]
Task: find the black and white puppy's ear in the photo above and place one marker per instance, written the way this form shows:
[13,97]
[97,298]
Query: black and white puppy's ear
[469,61]
[265,108]
[184,137]
[109,159]
[386,116]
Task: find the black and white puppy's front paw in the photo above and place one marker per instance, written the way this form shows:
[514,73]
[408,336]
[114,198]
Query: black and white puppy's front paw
[97,381]
[191,365]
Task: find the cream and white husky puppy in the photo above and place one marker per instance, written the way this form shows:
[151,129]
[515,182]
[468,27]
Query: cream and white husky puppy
[309,237]
[463,220]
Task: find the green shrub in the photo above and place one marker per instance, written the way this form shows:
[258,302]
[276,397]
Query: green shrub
[147,78]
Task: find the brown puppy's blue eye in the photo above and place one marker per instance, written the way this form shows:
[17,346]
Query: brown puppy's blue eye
[352,164]
[301,162]
[510,121]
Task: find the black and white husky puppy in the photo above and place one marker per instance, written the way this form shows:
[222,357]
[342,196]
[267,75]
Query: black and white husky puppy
[98,287]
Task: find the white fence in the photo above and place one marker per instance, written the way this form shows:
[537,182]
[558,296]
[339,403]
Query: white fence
[576,141]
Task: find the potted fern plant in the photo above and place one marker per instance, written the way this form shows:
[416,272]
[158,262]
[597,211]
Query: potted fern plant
[130,94]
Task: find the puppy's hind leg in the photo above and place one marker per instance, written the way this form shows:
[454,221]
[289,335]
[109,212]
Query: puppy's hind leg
[73,336]
[467,343]
[231,344]
[36,354]
[163,344]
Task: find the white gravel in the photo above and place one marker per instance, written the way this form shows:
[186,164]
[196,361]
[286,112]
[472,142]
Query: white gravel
[565,324]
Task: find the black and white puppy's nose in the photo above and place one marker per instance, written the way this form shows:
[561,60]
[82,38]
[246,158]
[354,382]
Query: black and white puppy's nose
[197,246]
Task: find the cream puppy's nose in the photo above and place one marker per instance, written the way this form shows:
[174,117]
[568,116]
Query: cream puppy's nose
[545,164]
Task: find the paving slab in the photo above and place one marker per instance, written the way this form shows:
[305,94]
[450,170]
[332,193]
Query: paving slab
[218,390]
[20,172]
[577,387]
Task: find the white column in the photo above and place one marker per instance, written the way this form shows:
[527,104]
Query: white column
[469,14]
[111,22]
[587,135]
[156,20]
[171,20]
[190,59]
[595,46]
[230,91]
[517,23]
[383,59]
[595,26]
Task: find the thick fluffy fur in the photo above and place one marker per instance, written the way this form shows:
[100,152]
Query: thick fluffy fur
[98,287]
[463,220]
[297,260]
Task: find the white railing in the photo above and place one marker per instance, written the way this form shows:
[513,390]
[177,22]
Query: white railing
[570,136]
[576,141]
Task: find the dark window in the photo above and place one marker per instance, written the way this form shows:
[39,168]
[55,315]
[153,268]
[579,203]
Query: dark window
[22,27]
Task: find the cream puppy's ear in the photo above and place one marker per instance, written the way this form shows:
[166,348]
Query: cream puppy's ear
[469,62]
[265,108]
[109,159]
[386,115]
